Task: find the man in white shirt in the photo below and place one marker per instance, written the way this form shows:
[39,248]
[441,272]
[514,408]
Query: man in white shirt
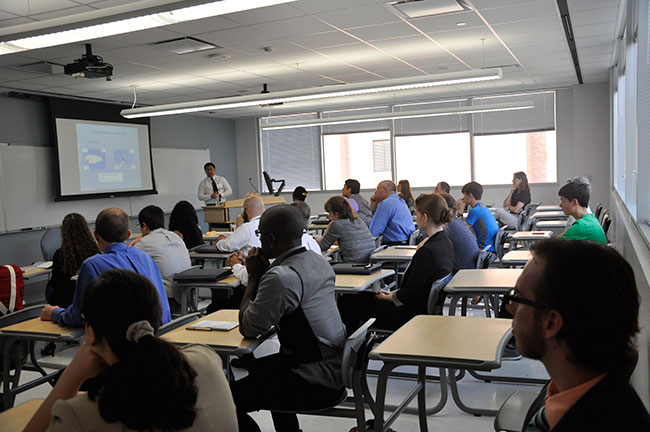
[213,188]
[244,237]
[165,247]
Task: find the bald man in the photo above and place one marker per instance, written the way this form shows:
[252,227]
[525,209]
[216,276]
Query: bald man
[392,217]
[111,230]
[296,295]
[244,237]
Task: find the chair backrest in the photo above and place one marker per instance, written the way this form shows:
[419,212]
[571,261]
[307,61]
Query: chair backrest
[413,238]
[434,307]
[176,323]
[50,242]
[521,221]
[601,219]
[485,258]
[599,209]
[21,315]
[354,347]
[499,241]
[607,221]
[19,351]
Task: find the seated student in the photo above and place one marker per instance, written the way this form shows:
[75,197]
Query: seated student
[466,250]
[351,189]
[392,217]
[576,309]
[479,217]
[165,247]
[404,192]
[77,244]
[244,237]
[433,260]
[570,220]
[355,241]
[299,194]
[517,199]
[111,231]
[296,295]
[442,187]
[184,222]
[574,199]
[141,382]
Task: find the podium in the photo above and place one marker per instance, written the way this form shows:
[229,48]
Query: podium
[219,216]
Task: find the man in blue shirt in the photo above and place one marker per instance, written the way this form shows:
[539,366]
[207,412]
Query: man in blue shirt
[111,230]
[392,217]
[480,218]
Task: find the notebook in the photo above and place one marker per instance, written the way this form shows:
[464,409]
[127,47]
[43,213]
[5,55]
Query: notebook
[202,274]
[213,325]
[351,268]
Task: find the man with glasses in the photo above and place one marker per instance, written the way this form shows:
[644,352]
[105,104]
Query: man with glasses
[576,308]
[296,295]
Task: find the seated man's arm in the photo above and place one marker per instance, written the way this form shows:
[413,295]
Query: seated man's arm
[272,300]
[235,241]
[379,221]
[71,316]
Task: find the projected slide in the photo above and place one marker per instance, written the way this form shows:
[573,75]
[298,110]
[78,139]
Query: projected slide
[97,157]
[108,157]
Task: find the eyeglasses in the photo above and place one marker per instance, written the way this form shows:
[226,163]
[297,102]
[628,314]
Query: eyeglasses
[513,297]
[259,233]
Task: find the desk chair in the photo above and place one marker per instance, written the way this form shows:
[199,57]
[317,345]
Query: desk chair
[434,305]
[599,210]
[500,240]
[178,322]
[353,371]
[512,414]
[17,352]
[607,221]
[50,242]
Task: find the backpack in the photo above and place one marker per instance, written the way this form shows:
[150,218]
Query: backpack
[12,289]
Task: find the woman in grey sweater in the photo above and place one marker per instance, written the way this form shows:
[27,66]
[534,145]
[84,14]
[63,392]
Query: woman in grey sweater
[355,241]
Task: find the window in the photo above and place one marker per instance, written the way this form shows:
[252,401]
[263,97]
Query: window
[292,155]
[427,159]
[497,157]
[363,156]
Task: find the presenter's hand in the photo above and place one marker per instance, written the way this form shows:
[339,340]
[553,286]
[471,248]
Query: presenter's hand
[46,313]
[256,264]
[214,195]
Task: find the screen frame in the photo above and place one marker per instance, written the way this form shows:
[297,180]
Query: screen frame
[94,111]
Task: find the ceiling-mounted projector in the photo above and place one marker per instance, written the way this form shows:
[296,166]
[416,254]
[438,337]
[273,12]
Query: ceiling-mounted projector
[89,66]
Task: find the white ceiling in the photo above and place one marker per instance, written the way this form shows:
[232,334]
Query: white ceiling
[323,42]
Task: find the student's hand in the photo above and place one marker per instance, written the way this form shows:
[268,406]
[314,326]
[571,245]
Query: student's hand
[239,221]
[236,258]
[256,264]
[135,240]
[46,313]
[460,205]
[85,364]
[221,237]
[387,296]
[317,239]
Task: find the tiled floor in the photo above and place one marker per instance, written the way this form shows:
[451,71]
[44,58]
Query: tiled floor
[473,392]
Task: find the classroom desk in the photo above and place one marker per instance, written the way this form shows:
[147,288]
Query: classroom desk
[483,282]
[557,226]
[331,253]
[546,208]
[16,418]
[444,342]
[212,238]
[396,255]
[529,237]
[32,271]
[548,215]
[32,331]
[219,257]
[355,283]
[516,258]
[224,343]
[317,228]
[188,288]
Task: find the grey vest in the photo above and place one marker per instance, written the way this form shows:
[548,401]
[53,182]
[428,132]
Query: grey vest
[364,208]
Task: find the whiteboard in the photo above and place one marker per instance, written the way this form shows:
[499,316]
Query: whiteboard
[28,186]
[177,173]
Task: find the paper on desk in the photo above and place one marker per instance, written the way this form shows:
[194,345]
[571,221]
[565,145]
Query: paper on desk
[213,325]
[43,265]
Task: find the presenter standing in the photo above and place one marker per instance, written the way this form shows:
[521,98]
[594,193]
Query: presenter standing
[213,188]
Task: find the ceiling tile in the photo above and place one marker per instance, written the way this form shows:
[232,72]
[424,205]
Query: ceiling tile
[581,5]
[535,39]
[15,21]
[599,29]
[583,42]
[235,36]
[62,13]
[135,53]
[538,9]
[5,16]
[293,27]
[361,16]
[147,36]
[317,6]
[383,31]
[278,47]
[322,40]
[265,14]
[447,22]
[205,25]
[26,8]
[542,25]
[594,16]
[133,68]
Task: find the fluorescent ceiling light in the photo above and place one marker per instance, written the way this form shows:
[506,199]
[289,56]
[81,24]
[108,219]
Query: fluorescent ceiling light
[331,91]
[420,8]
[134,24]
[436,112]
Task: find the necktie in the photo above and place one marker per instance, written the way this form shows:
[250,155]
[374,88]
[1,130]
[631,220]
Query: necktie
[214,186]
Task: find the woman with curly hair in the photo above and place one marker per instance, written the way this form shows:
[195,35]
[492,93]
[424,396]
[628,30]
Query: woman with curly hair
[184,222]
[77,244]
